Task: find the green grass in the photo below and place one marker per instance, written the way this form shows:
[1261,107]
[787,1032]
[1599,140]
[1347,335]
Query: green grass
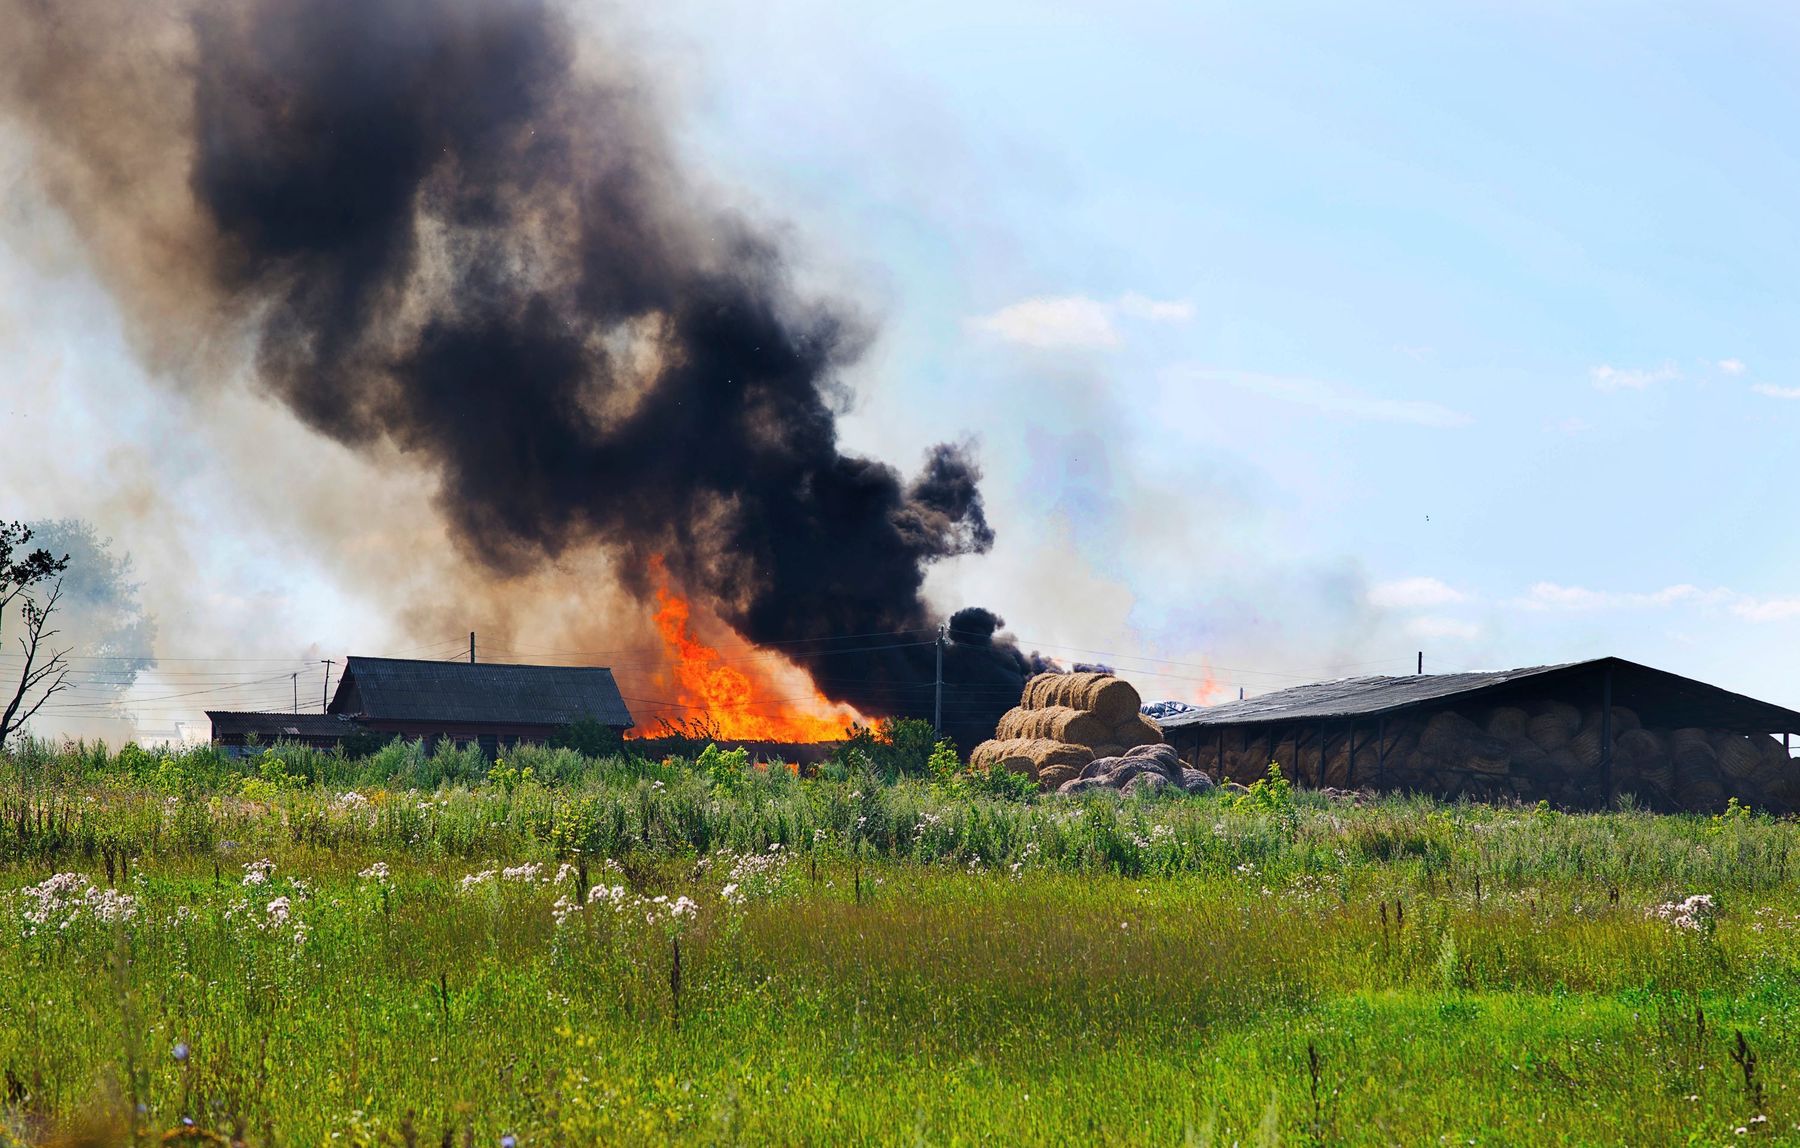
[917,964]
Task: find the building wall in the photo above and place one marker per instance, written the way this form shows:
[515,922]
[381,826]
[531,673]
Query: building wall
[1524,750]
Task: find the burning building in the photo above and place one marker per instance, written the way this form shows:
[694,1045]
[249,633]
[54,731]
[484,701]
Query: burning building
[455,239]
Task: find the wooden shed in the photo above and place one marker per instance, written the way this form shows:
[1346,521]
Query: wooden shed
[490,703]
[1578,735]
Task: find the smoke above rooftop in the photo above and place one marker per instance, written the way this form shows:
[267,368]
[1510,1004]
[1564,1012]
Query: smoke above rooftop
[455,233]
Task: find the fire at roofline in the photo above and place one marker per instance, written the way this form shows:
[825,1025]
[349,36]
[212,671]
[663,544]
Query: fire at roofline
[455,235]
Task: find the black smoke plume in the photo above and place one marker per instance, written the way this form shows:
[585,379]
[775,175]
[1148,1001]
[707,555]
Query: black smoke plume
[449,230]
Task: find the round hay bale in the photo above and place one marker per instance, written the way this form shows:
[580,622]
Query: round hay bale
[1587,744]
[1195,781]
[1526,759]
[1738,759]
[1108,750]
[1772,750]
[1146,784]
[1137,730]
[1552,731]
[1448,732]
[1100,767]
[1112,700]
[1161,757]
[1045,752]
[1637,754]
[1128,768]
[1549,707]
[1014,723]
[1337,768]
[1052,777]
[1017,754]
[1034,688]
[1660,776]
[1493,765]
[1693,758]
[1700,795]
[1509,723]
[1076,785]
[1058,723]
[1563,763]
[1624,720]
[1068,689]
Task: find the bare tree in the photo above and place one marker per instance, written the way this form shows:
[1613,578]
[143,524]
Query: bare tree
[46,670]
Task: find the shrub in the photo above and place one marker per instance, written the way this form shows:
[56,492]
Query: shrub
[589,738]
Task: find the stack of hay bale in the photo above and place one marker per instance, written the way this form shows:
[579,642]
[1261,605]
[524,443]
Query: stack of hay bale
[1145,769]
[1064,722]
[1548,750]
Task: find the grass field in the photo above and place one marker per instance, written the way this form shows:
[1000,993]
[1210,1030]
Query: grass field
[638,953]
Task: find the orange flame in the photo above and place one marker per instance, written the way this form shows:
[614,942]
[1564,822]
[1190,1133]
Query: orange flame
[727,697]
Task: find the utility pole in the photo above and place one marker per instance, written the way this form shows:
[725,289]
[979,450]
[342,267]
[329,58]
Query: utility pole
[471,647]
[296,676]
[325,690]
[937,694]
[1421,662]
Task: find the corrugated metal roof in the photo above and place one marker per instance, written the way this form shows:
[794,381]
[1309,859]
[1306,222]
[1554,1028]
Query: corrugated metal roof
[1352,697]
[1682,701]
[400,689]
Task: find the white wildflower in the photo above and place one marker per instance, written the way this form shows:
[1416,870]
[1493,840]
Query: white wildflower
[257,872]
[1694,913]
[61,900]
[378,873]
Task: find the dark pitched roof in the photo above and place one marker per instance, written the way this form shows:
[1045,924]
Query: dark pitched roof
[1680,701]
[274,726]
[399,689]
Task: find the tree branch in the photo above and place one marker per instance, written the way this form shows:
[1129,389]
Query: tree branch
[33,676]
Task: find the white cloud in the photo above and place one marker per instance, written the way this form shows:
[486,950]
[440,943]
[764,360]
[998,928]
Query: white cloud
[1061,322]
[1071,321]
[1414,593]
[1610,378]
[1157,310]
[1766,609]
[1550,596]
[1335,399]
[1732,366]
[1776,392]
[1431,626]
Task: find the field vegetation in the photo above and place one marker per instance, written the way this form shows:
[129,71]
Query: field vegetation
[412,948]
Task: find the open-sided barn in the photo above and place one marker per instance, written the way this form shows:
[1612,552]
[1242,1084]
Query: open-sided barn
[491,703]
[1578,735]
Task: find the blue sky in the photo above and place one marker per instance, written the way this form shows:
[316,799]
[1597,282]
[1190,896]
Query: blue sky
[1294,338]
[1463,328]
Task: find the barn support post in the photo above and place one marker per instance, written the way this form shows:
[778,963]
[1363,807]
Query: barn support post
[1381,752]
[1324,743]
[1606,734]
[1220,764]
[1350,765]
